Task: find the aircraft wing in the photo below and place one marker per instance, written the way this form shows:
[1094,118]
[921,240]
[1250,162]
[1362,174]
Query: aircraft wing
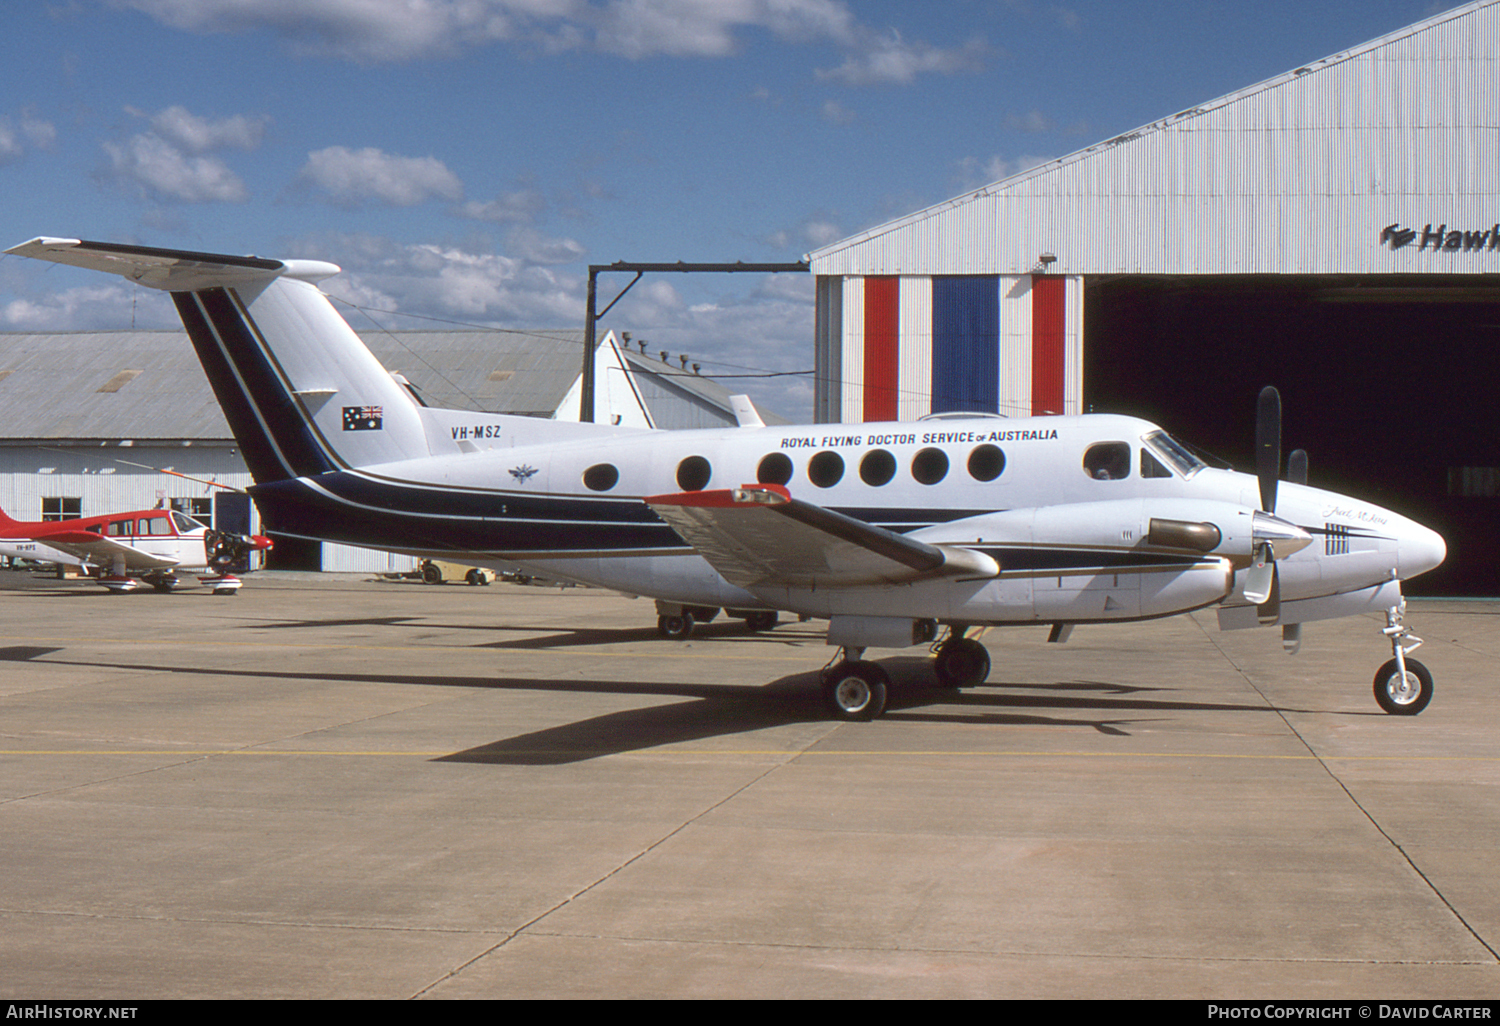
[87,547]
[758,536]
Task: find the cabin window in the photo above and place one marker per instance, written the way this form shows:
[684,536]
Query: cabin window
[826,469]
[986,463]
[1107,461]
[693,474]
[877,468]
[57,508]
[118,528]
[155,526]
[775,468]
[929,466]
[601,477]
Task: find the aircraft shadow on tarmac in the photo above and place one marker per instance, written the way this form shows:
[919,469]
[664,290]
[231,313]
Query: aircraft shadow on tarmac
[721,632]
[722,710]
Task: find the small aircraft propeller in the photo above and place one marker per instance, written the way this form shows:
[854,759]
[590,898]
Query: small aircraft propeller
[1260,580]
[1262,583]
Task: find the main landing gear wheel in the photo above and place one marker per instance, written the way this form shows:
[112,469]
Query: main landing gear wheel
[675,628]
[962,663]
[1403,695]
[855,690]
[761,620]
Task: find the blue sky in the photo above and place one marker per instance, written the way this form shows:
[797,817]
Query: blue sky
[467,159]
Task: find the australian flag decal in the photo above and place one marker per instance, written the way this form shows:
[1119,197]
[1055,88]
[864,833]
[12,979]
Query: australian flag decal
[363,418]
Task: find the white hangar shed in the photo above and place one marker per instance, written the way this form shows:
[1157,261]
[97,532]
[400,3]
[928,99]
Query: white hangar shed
[1334,231]
[99,422]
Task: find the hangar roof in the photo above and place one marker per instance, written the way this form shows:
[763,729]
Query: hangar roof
[149,385]
[1380,159]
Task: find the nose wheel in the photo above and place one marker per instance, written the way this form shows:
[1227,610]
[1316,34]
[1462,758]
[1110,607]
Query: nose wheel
[1403,686]
[1403,692]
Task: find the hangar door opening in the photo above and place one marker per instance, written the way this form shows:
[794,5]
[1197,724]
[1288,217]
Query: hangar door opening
[1388,384]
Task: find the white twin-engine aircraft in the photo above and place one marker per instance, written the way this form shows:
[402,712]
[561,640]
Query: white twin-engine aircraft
[886,530]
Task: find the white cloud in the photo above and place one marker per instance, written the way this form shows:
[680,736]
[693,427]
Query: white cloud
[815,232]
[351,177]
[522,206]
[972,173]
[536,248]
[172,161]
[186,130]
[155,166]
[742,338]
[16,137]
[648,28]
[380,31]
[368,31]
[887,58]
[836,113]
[92,307]
[768,329]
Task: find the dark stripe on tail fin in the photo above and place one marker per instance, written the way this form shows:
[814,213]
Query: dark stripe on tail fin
[267,420]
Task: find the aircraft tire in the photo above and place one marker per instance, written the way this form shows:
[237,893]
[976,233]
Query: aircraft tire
[675,628]
[1403,698]
[962,663]
[856,691]
[761,620]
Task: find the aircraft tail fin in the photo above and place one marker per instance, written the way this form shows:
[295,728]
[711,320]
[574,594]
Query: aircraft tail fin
[302,393]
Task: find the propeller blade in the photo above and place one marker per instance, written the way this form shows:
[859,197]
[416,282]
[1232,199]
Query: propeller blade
[1296,466]
[1261,575]
[1268,445]
[1269,611]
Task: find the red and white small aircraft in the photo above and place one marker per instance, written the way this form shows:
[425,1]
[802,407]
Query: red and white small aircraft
[130,550]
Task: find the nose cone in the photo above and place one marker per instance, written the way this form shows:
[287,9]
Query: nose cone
[1420,549]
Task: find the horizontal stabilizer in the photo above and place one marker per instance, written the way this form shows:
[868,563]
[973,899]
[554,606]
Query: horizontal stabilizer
[759,536]
[174,270]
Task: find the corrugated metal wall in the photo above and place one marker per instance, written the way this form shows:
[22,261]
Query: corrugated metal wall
[1297,175]
[1384,159]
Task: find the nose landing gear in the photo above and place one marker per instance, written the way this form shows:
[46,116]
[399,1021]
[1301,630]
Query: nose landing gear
[1403,686]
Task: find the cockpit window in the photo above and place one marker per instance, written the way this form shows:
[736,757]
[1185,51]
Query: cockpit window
[1107,461]
[185,525]
[1151,466]
[1173,453]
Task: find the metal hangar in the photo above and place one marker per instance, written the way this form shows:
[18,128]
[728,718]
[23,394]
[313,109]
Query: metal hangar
[1334,231]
